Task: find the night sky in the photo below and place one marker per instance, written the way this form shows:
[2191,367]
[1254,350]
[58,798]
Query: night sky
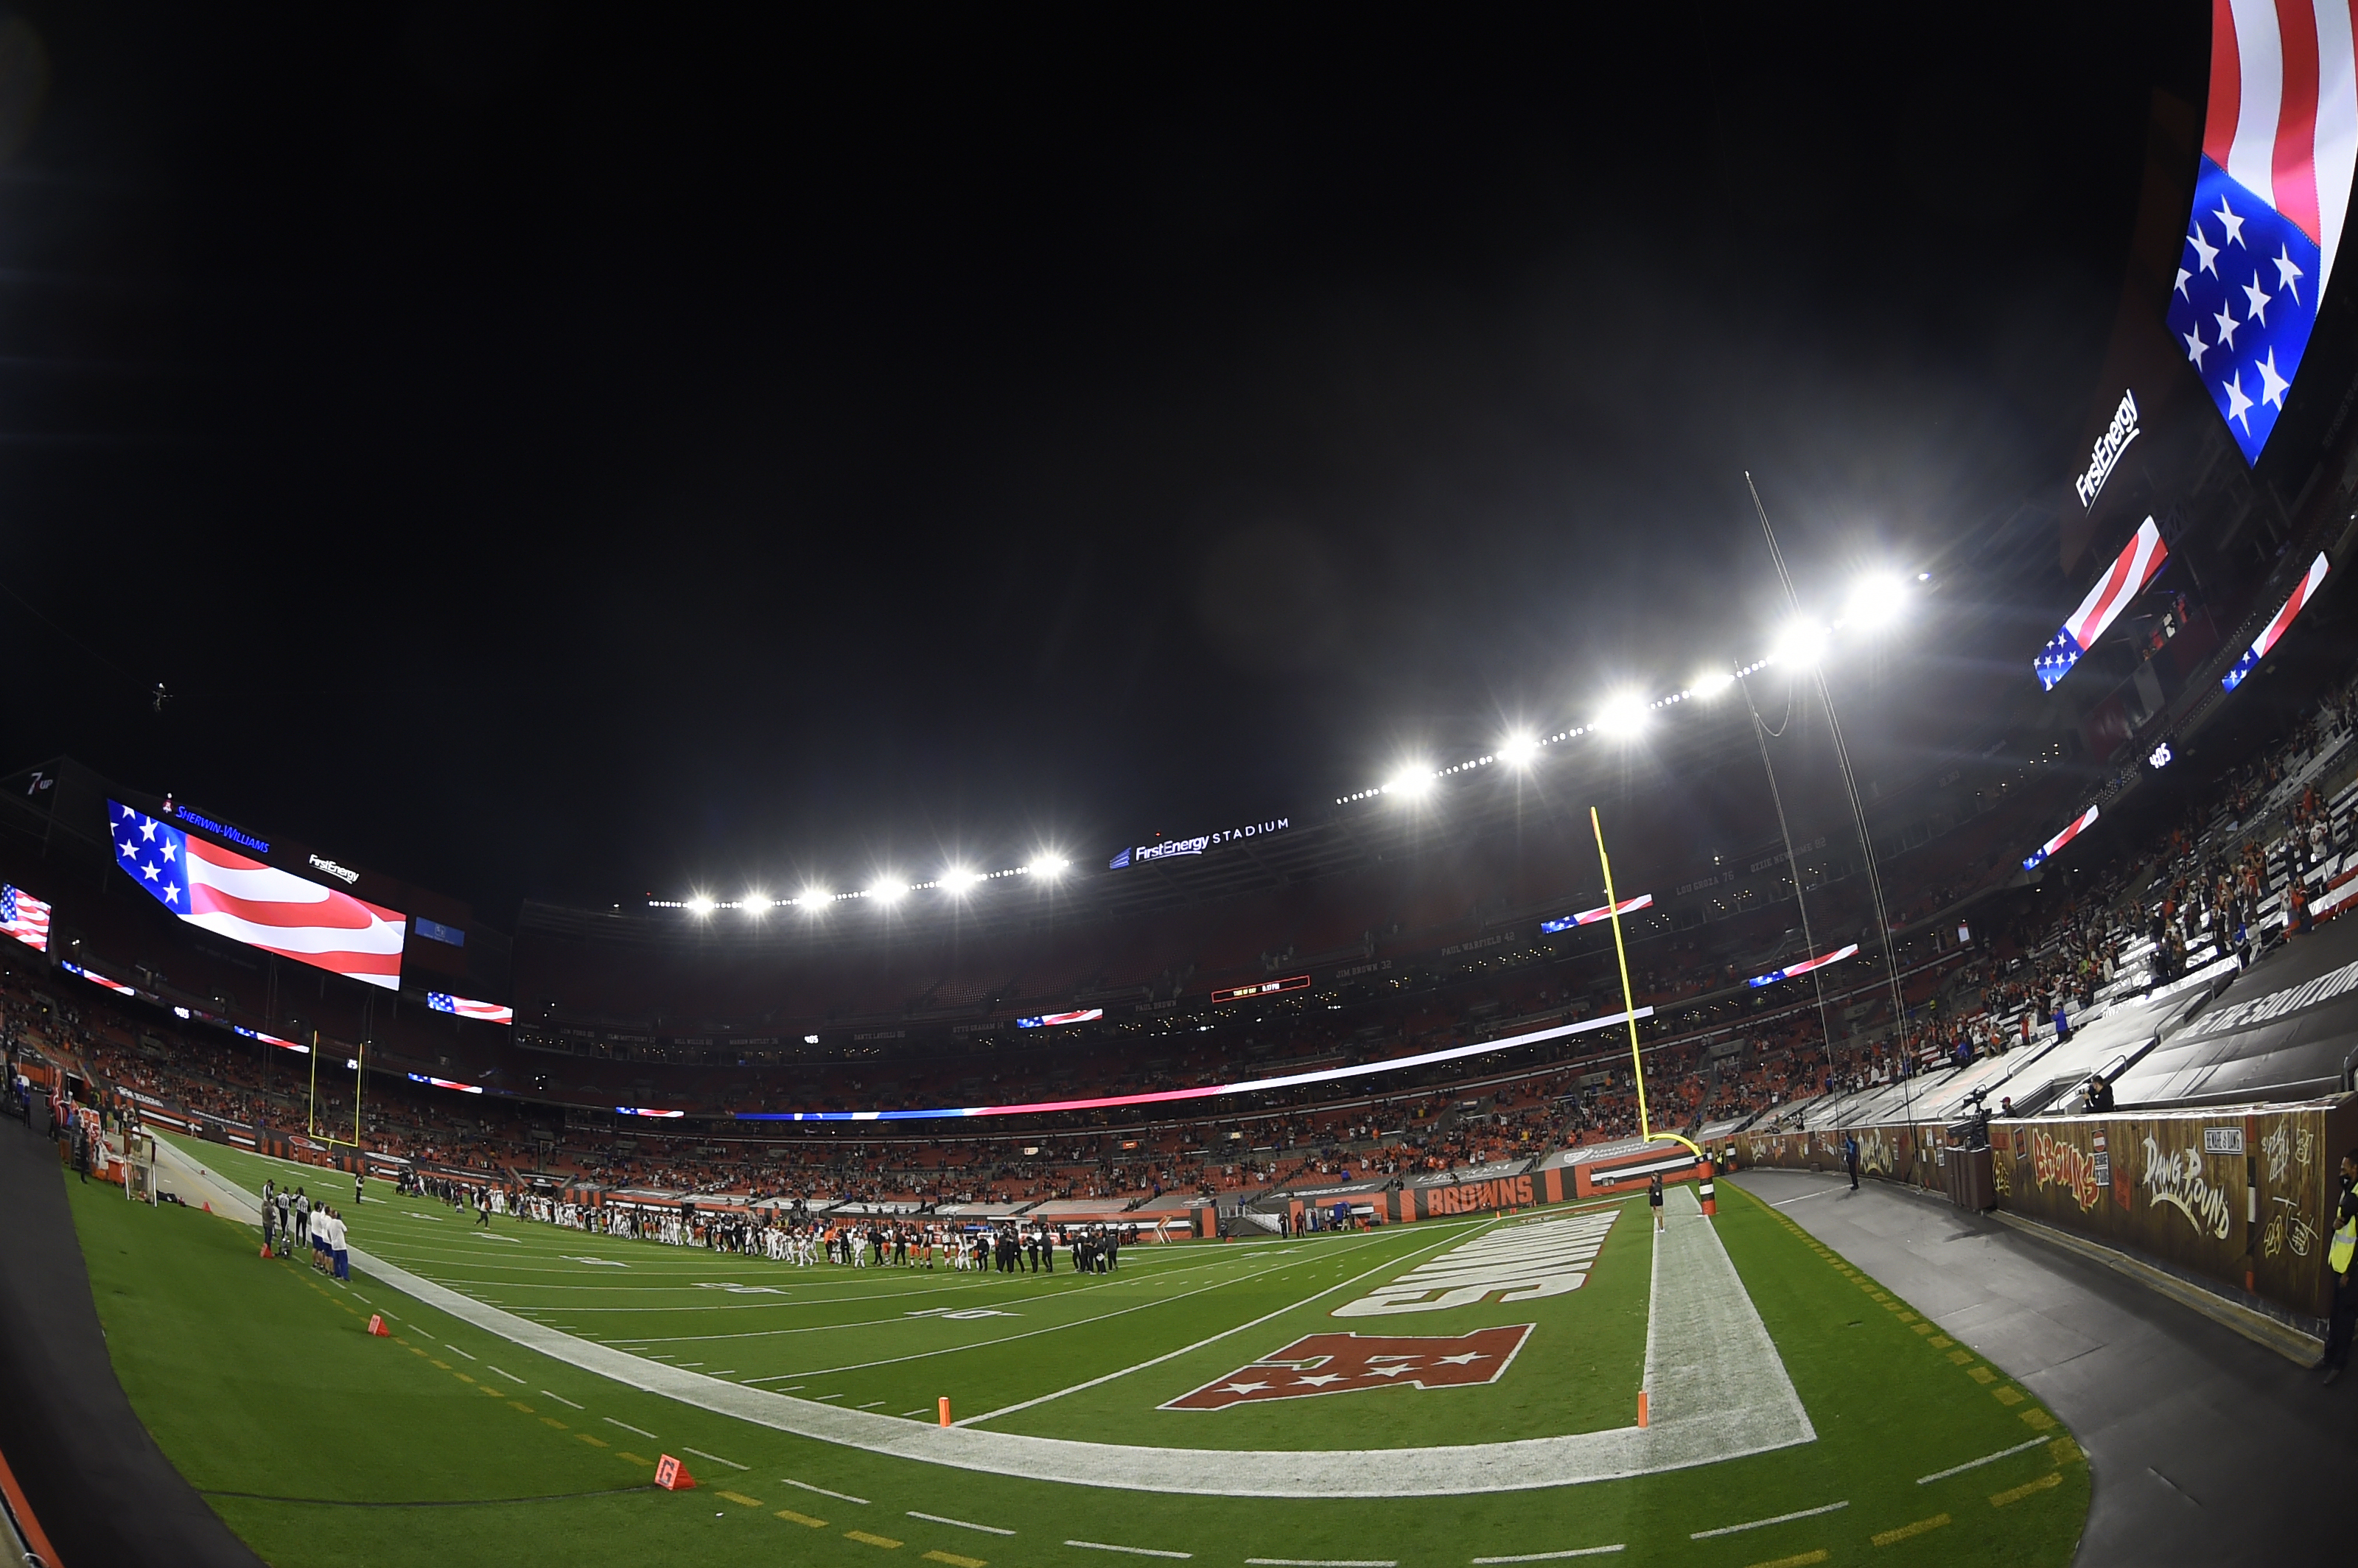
[576,452]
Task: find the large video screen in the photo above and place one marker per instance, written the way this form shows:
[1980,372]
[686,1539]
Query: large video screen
[236,896]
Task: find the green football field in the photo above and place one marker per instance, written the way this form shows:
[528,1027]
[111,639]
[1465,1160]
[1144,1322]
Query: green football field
[1461,1392]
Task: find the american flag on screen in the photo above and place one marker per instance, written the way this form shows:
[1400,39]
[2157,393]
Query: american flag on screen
[2122,581]
[242,899]
[25,917]
[2276,624]
[2279,142]
[2079,825]
[487,1012]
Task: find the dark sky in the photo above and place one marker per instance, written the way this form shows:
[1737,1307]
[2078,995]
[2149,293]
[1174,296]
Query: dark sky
[571,452]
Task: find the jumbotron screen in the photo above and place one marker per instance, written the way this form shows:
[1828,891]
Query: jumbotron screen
[238,897]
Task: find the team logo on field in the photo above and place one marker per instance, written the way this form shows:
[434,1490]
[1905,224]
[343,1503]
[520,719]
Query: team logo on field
[1343,1363]
[1515,1263]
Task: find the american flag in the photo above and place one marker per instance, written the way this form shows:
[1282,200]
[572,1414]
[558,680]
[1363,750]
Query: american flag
[245,901]
[2276,624]
[25,917]
[2122,581]
[487,1012]
[2279,143]
[1849,950]
[1591,916]
[2079,825]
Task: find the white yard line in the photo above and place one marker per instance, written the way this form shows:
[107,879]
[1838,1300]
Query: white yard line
[961,1524]
[1323,1561]
[626,1426]
[504,1372]
[1556,1556]
[1133,1551]
[715,1458]
[560,1399]
[822,1491]
[450,1346]
[1760,1523]
[1985,1459]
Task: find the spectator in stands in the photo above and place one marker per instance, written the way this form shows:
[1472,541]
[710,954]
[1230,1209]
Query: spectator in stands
[2100,1094]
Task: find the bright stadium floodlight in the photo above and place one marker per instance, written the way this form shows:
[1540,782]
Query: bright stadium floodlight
[1802,643]
[1410,783]
[756,904]
[1049,866]
[958,879]
[699,905]
[1518,749]
[1623,715]
[1876,599]
[888,891]
[813,900]
[1711,682]
[810,1039]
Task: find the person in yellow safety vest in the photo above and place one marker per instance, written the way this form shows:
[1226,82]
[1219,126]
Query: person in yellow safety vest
[2339,1256]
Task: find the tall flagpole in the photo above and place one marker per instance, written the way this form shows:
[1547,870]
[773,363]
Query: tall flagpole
[1629,997]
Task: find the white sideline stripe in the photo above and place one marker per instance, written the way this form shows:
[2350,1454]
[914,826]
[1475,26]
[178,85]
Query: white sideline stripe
[1133,1551]
[1385,1267]
[715,1458]
[626,1426]
[451,1346]
[504,1372]
[822,1491]
[1760,1523]
[560,1399]
[1554,1556]
[1732,1399]
[1985,1459]
[1323,1561]
[962,1524]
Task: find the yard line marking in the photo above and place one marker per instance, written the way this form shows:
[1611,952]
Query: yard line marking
[868,1406]
[504,1372]
[560,1399]
[626,1426]
[962,1524]
[872,1539]
[1803,1560]
[773,1378]
[1553,1556]
[954,1560]
[1133,1551]
[789,1515]
[1977,1464]
[741,1498]
[715,1458]
[1384,1267]
[1323,1561]
[822,1491]
[461,1352]
[906,1414]
[1758,1523]
[1887,1537]
[2016,1494]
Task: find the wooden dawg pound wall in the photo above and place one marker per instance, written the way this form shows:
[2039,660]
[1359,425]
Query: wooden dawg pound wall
[2240,1199]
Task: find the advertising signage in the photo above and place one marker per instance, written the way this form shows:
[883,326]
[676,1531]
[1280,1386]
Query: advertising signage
[1170,849]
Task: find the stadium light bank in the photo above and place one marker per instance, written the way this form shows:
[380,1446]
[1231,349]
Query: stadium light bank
[1875,602]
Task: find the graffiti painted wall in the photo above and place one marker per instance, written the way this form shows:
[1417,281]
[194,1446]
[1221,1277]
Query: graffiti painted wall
[2242,1199]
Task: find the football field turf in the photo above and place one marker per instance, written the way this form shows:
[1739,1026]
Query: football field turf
[803,1400]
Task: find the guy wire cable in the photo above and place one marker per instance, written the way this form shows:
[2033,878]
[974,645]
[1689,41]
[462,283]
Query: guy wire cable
[1761,732]
[1858,816]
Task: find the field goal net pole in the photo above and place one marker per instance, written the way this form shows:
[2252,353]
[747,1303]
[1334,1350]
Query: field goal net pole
[359,1078]
[1629,999]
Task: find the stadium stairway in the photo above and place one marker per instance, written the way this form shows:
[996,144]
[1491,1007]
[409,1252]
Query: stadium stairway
[103,1490]
[2205,1446]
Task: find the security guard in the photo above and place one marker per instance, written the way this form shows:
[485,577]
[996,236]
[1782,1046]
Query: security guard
[2339,1256]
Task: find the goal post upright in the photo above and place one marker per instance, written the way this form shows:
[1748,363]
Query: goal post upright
[1628,996]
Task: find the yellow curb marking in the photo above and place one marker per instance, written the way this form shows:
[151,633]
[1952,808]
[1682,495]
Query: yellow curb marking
[872,1539]
[1803,1561]
[954,1560]
[741,1498]
[593,1441]
[793,1517]
[552,1421]
[2038,1419]
[2006,1396]
[1981,1374]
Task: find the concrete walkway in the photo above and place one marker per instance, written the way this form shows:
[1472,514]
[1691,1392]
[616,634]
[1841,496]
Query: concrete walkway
[2205,1447]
